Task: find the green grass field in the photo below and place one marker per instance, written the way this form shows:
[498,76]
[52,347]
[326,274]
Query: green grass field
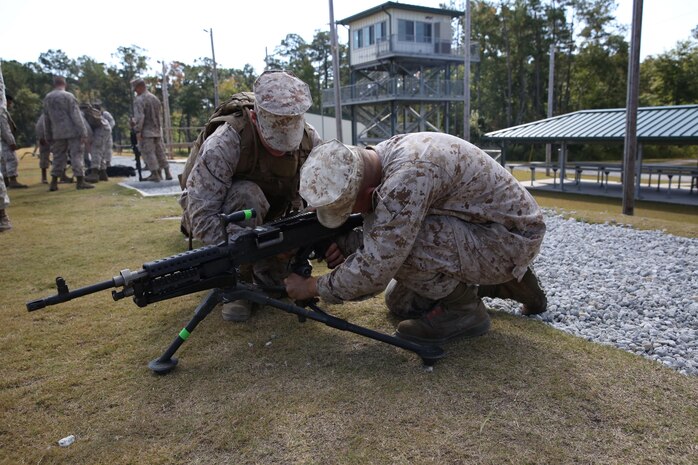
[274,391]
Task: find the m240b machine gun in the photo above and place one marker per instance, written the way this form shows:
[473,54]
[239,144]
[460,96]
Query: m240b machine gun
[216,268]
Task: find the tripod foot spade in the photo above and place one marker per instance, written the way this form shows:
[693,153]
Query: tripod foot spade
[431,354]
[162,367]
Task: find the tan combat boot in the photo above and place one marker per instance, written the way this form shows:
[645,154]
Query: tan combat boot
[54,184]
[239,310]
[459,314]
[5,224]
[81,184]
[93,177]
[154,176]
[13,184]
[528,292]
[44,179]
[168,174]
[103,175]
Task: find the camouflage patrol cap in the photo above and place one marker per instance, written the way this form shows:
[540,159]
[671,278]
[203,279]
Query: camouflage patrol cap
[330,181]
[137,82]
[281,99]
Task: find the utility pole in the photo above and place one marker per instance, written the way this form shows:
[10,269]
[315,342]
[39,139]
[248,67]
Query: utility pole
[551,88]
[335,74]
[630,149]
[167,119]
[215,71]
[466,73]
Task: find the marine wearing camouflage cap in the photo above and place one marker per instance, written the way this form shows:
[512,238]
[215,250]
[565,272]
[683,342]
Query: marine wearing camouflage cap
[281,99]
[330,181]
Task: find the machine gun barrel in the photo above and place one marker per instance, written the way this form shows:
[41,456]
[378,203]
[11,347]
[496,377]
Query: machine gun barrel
[64,295]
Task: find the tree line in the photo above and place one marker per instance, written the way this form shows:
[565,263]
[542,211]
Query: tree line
[509,83]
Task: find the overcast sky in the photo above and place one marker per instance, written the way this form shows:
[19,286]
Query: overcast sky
[242,30]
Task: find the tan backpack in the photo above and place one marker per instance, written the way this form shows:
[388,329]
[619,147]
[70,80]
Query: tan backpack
[224,113]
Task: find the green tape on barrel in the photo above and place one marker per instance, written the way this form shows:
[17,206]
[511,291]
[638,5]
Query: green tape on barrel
[184,334]
[248,214]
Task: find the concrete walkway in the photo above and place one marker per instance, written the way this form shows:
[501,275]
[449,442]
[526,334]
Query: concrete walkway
[611,187]
[149,188]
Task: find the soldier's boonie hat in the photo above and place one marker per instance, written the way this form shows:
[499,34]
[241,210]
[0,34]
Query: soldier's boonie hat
[281,99]
[137,82]
[330,181]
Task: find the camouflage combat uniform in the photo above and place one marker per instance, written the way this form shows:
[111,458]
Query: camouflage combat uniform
[445,213]
[65,127]
[42,142]
[7,141]
[4,198]
[101,141]
[109,140]
[4,202]
[234,172]
[147,116]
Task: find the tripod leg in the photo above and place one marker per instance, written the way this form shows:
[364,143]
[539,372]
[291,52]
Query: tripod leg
[166,363]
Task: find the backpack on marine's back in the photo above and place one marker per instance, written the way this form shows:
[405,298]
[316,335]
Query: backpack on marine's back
[92,115]
[225,112]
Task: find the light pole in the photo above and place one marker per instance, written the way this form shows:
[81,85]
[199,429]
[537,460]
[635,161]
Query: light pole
[335,72]
[215,71]
[166,111]
[466,73]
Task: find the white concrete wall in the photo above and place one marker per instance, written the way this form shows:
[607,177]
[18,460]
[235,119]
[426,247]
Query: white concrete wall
[326,126]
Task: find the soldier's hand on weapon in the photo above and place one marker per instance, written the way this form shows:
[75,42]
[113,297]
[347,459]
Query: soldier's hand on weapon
[334,256]
[300,288]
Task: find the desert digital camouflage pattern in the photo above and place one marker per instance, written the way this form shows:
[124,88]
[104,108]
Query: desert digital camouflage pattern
[281,99]
[216,185]
[101,146]
[147,111]
[147,116]
[4,198]
[7,140]
[65,126]
[42,142]
[445,213]
[63,118]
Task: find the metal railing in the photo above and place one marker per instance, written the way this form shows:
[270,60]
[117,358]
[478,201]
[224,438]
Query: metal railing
[397,88]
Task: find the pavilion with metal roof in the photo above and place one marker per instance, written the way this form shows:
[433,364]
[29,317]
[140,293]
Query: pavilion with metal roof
[672,125]
[655,125]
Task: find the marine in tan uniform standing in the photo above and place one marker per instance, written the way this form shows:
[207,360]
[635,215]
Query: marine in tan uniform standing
[44,148]
[147,122]
[10,162]
[252,160]
[5,224]
[66,132]
[440,218]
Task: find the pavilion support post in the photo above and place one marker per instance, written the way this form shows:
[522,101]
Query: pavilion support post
[638,180]
[562,163]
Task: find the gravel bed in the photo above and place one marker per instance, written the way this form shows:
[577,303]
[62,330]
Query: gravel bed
[611,284]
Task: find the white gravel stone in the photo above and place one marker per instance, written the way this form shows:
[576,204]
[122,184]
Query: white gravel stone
[636,290]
